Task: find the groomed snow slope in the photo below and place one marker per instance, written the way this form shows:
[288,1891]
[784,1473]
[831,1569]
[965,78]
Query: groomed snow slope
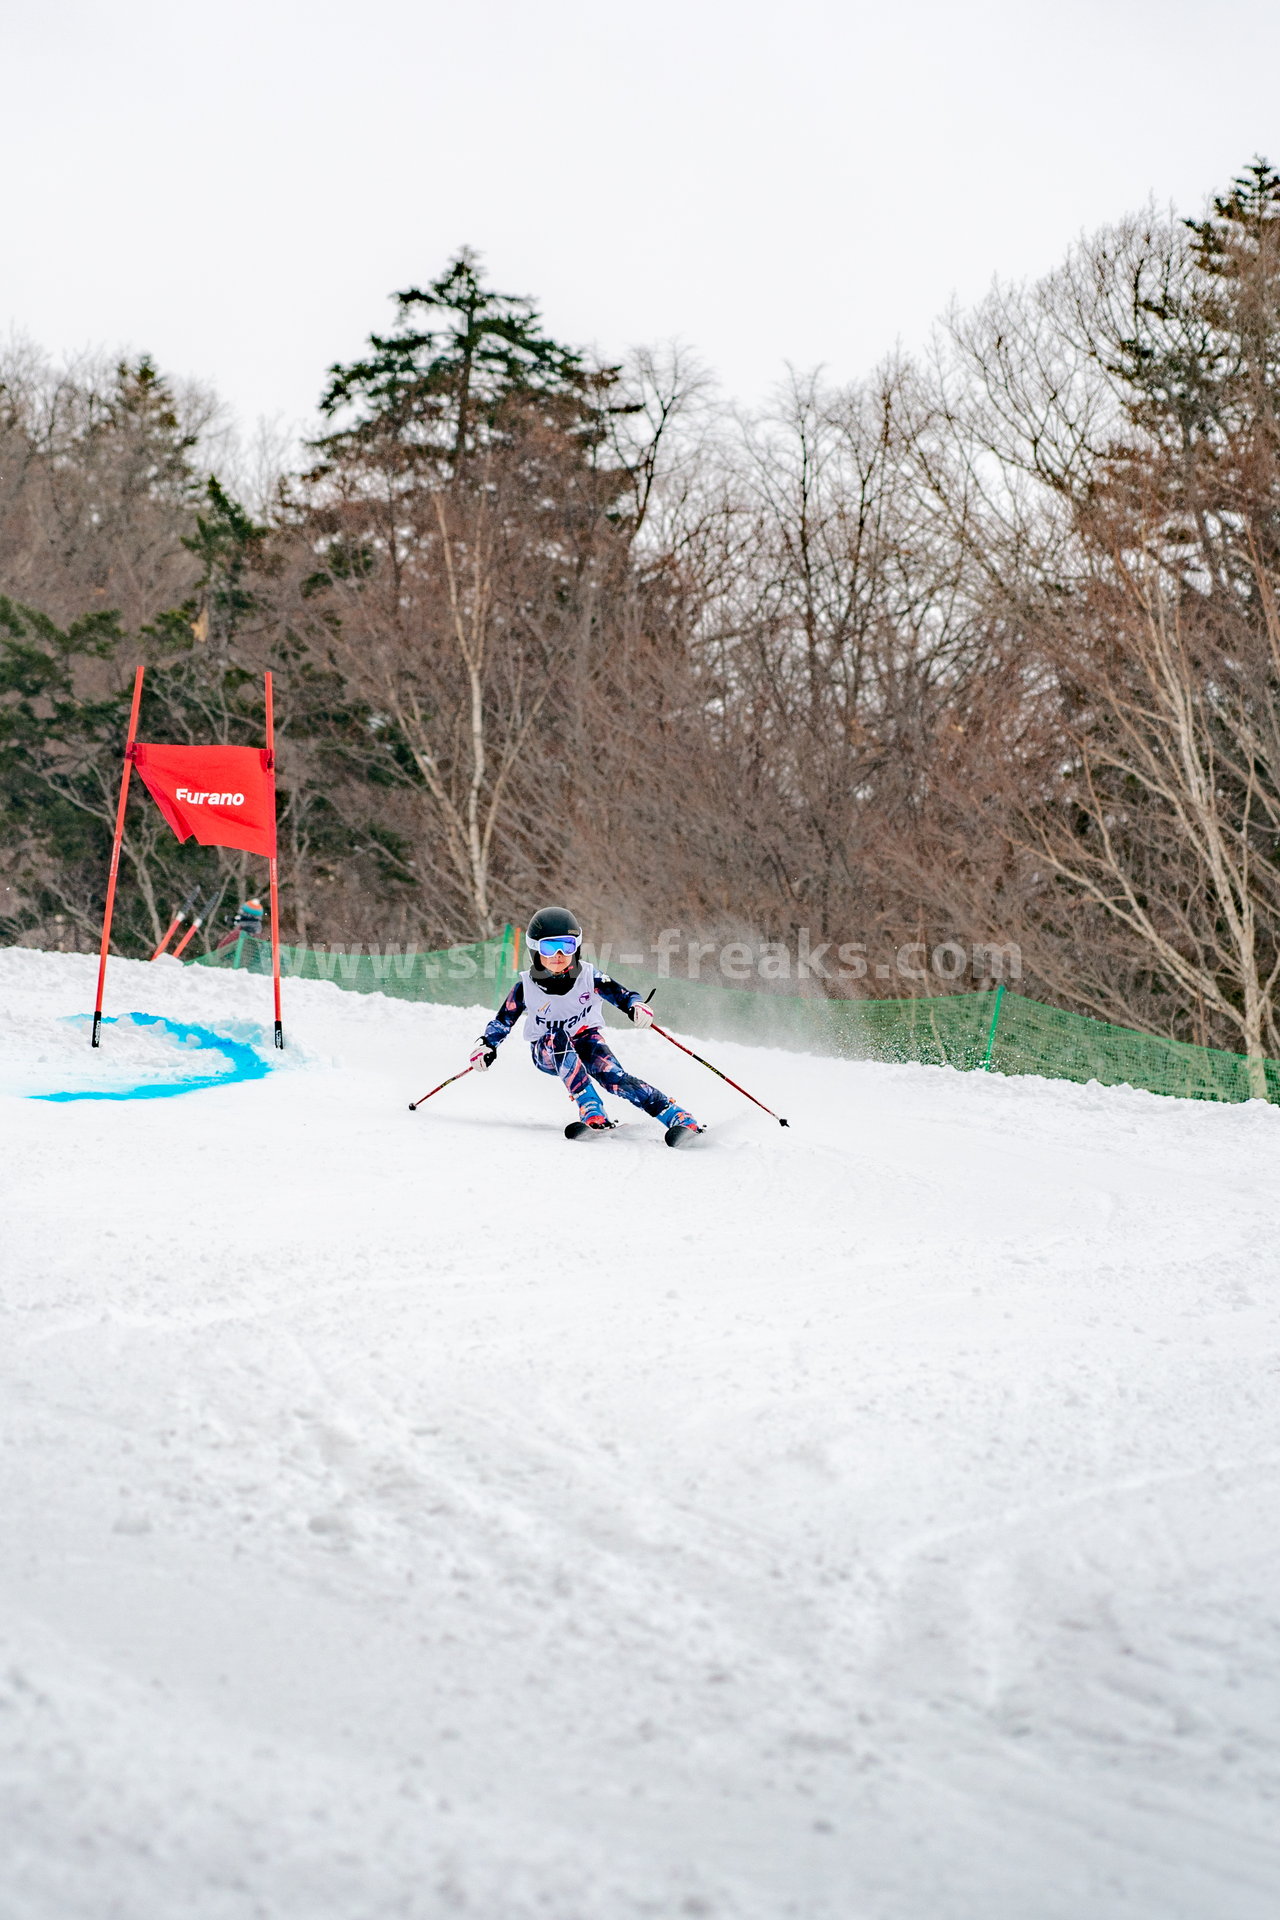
[416,1515]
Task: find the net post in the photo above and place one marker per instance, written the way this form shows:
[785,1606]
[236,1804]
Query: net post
[115,853]
[991,1037]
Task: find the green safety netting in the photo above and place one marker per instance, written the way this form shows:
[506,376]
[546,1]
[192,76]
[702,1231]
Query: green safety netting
[470,976]
[1001,1031]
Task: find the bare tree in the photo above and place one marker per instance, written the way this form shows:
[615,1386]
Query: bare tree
[1120,436]
[101,471]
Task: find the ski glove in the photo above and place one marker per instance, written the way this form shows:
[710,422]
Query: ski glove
[483,1056]
[640,1015]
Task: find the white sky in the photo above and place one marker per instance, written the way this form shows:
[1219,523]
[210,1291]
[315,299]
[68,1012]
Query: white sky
[237,185]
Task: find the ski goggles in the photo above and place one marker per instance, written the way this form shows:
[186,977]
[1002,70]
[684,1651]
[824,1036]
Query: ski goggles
[557,943]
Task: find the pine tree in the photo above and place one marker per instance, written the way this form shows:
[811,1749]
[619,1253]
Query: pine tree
[441,382]
[231,546]
[474,535]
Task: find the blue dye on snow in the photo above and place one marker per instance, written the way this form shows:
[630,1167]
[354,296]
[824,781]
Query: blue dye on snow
[244,1064]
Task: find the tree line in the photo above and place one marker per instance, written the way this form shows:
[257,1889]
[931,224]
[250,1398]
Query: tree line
[984,647]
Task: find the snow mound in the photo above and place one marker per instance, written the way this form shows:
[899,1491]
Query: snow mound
[414,1515]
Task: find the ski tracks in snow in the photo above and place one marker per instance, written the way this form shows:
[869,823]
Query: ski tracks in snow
[414,1516]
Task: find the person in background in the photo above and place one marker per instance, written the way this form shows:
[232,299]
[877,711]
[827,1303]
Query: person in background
[249,917]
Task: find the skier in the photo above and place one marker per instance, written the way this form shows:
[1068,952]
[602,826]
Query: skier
[561,999]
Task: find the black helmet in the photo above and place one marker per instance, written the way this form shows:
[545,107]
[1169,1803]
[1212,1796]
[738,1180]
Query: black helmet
[549,921]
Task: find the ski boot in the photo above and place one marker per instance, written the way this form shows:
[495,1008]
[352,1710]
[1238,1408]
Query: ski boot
[590,1125]
[680,1128]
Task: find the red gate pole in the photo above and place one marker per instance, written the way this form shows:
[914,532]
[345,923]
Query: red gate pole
[275,894]
[115,852]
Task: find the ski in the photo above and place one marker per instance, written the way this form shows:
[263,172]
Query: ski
[681,1136]
[588,1129]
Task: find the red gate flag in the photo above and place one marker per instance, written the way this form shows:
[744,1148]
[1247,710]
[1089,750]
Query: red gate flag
[225,796]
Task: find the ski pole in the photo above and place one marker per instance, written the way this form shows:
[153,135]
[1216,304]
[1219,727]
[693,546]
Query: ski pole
[722,1076]
[415,1104]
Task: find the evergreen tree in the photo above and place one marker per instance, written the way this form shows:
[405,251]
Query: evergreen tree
[472,542]
[141,414]
[232,549]
[441,383]
[1200,360]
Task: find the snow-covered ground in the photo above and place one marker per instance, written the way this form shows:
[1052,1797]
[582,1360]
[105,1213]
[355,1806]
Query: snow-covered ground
[416,1515]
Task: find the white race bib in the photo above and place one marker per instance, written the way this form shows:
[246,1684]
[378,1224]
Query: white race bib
[567,1012]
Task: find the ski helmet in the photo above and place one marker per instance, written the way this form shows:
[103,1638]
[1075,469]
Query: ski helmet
[547,922]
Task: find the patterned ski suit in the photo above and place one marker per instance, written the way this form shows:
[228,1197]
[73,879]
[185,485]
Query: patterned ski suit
[566,1035]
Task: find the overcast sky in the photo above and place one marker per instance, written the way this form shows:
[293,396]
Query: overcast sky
[237,185]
